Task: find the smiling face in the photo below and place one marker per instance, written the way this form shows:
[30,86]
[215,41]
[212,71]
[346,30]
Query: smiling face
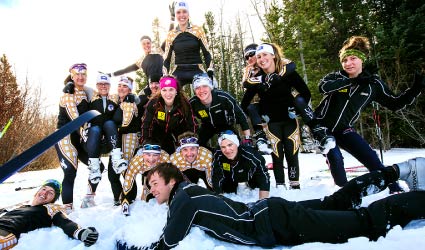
[352,65]
[229,149]
[203,92]
[189,153]
[43,196]
[123,91]
[168,94]
[182,17]
[266,62]
[80,80]
[151,159]
[146,46]
[159,189]
[103,88]
[154,87]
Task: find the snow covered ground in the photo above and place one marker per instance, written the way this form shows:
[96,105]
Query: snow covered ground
[144,226]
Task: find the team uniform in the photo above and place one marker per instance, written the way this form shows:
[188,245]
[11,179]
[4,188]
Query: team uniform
[284,133]
[185,47]
[138,166]
[201,168]
[222,114]
[28,218]
[340,108]
[276,221]
[249,166]
[165,126]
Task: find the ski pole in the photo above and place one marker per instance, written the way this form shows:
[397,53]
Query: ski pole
[6,127]
[377,120]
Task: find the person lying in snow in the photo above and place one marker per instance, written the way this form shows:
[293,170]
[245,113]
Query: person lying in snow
[42,213]
[276,221]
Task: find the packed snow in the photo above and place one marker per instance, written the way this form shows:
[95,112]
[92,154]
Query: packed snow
[146,221]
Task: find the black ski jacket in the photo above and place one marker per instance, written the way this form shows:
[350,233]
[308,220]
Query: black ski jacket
[250,167]
[344,99]
[223,113]
[106,112]
[28,218]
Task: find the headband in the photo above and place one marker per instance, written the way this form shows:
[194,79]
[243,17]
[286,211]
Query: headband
[352,52]
[231,137]
[78,68]
[264,48]
[168,82]
[125,81]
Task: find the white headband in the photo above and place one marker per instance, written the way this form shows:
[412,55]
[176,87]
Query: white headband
[264,48]
[233,138]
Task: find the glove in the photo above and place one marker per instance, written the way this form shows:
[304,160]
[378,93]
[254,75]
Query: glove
[108,74]
[69,88]
[88,236]
[419,80]
[210,73]
[129,98]
[247,141]
[171,7]
[292,113]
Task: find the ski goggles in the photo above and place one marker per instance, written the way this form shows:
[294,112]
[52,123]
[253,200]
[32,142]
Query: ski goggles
[78,68]
[189,142]
[151,148]
[249,54]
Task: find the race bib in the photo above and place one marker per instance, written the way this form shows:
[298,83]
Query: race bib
[203,113]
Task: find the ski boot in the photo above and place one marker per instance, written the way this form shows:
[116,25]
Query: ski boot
[307,140]
[294,185]
[413,173]
[67,208]
[118,163]
[261,142]
[88,201]
[94,170]
[326,141]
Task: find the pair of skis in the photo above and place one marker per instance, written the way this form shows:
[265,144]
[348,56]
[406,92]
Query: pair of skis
[22,160]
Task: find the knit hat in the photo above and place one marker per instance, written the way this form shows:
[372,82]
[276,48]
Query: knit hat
[229,135]
[78,68]
[168,81]
[201,80]
[124,80]
[181,5]
[56,185]
[101,77]
[251,48]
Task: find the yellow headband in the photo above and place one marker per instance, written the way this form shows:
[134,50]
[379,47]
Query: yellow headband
[352,52]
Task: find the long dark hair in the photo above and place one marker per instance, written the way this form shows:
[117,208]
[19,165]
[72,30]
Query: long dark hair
[180,100]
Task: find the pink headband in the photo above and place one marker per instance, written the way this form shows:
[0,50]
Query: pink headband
[167,82]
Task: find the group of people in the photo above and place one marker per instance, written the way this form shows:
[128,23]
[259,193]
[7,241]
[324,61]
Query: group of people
[170,140]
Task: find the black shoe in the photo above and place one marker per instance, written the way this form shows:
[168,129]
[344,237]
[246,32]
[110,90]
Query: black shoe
[395,188]
[116,203]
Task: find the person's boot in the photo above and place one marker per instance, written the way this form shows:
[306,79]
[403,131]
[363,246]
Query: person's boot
[294,185]
[326,141]
[94,170]
[118,163]
[68,208]
[88,201]
[413,173]
[261,142]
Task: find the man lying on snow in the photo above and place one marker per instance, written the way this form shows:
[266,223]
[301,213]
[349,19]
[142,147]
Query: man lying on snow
[41,213]
[276,221]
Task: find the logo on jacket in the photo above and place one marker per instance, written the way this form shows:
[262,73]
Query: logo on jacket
[226,166]
[161,116]
[203,113]
[110,107]
[343,90]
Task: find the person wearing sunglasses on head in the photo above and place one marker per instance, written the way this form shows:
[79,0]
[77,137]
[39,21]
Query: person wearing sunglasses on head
[234,163]
[168,115]
[42,213]
[193,160]
[217,110]
[147,157]
[73,102]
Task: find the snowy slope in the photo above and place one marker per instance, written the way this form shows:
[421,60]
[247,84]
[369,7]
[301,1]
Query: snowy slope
[147,219]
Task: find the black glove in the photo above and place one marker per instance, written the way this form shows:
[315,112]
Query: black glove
[419,80]
[247,141]
[171,7]
[129,98]
[69,88]
[88,236]
[108,74]
[210,73]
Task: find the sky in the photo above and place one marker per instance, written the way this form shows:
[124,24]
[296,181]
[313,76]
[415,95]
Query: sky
[146,221]
[43,38]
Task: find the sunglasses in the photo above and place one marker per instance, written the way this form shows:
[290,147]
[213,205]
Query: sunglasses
[151,147]
[188,140]
[249,55]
